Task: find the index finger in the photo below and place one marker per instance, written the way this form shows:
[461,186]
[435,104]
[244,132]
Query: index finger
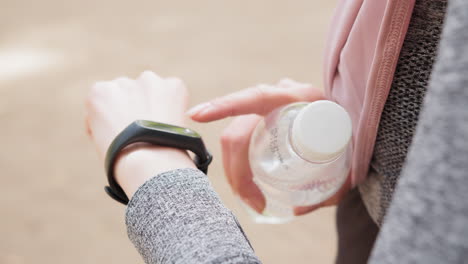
[259,100]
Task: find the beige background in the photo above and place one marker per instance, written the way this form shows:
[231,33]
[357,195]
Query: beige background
[53,208]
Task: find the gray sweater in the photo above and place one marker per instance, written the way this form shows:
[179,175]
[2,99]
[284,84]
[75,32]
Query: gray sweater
[427,219]
[176,217]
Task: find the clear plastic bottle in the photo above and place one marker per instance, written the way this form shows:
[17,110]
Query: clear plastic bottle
[300,156]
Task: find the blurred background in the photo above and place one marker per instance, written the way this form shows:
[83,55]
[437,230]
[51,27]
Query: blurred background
[53,207]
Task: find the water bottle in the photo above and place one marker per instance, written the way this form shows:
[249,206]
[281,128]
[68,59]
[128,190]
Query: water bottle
[300,156]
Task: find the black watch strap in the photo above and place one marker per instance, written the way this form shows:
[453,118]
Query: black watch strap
[158,134]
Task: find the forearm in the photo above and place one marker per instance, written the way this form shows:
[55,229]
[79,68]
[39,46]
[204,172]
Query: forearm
[177,217]
[140,162]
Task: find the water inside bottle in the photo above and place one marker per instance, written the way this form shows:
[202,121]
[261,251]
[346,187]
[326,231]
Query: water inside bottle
[285,178]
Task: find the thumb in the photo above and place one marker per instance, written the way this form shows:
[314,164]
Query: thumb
[260,100]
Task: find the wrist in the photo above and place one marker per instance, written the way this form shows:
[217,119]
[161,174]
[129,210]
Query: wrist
[140,162]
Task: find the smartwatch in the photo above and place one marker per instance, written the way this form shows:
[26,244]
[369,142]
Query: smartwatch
[154,133]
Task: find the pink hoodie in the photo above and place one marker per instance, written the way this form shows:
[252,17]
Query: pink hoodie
[360,60]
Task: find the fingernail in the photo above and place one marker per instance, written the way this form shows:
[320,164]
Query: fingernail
[196,109]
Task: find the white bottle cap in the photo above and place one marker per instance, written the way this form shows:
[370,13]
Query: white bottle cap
[321,131]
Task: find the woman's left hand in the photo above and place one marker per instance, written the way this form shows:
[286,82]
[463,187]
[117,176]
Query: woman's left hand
[113,105]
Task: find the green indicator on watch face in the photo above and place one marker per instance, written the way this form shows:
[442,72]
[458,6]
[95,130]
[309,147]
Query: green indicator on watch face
[169,128]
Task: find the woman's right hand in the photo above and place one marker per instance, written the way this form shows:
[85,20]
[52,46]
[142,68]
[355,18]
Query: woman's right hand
[249,105]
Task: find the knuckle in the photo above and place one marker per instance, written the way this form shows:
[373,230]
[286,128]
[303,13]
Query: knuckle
[123,81]
[225,140]
[149,79]
[259,91]
[285,81]
[148,74]
[262,87]
[262,91]
[237,141]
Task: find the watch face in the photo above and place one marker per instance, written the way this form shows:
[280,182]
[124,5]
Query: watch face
[169,128]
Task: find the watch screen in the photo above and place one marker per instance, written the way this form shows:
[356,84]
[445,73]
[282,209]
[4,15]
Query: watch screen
[169,128]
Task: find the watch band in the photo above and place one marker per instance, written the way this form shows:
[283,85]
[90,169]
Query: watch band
[158,134]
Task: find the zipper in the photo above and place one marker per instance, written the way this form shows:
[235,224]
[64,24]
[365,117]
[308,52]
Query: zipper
[395,35]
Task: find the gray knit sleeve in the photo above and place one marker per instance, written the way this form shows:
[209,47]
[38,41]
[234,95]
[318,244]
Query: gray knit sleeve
[177,217]
[427,220]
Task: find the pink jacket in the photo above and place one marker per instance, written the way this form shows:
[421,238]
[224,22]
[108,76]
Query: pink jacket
[360,60]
